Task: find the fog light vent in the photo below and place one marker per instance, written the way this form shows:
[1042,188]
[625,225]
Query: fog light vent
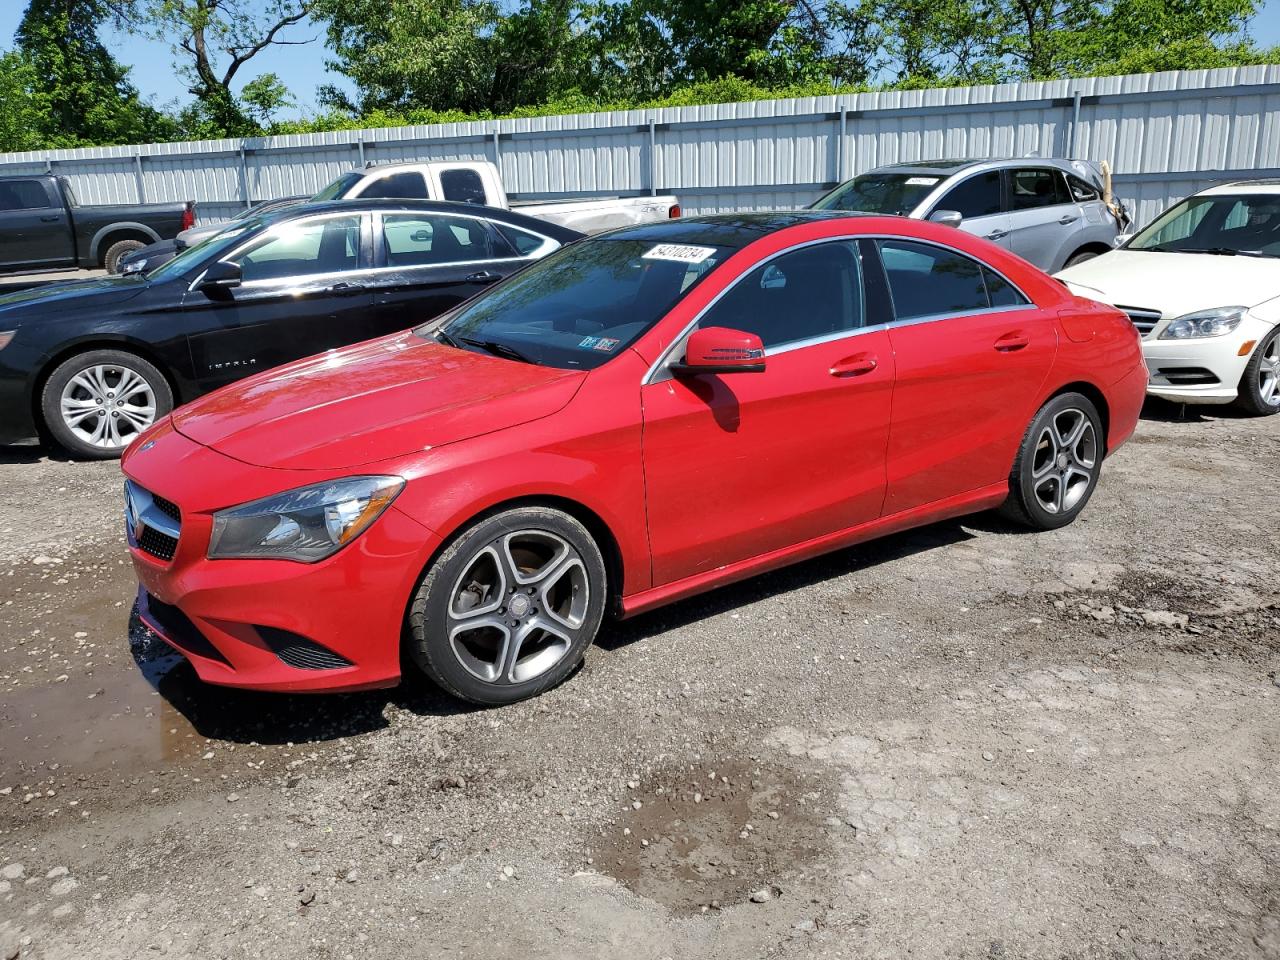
[299,652]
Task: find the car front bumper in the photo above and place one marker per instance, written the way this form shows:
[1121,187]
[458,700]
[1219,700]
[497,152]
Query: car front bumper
[271,624]
[1203,370]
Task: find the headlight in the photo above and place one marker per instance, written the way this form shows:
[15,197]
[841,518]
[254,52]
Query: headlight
[1205,323]
[307,524]
[133,266]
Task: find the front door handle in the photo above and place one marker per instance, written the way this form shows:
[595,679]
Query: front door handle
[1068,218]
[854,366]
[1010,342]
[484,276]
[997,234]
[51,218]
[343,288]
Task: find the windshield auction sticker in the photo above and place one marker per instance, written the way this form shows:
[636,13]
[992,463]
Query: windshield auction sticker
[921,181]
[679,252]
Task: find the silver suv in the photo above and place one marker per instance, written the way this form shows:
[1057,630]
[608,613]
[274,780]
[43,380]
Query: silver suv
[1050,212]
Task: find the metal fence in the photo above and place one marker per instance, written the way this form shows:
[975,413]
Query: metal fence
[1166,135]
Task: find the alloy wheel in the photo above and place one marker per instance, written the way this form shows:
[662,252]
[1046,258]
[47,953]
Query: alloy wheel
[108,405]
[519,607]
[1269,374]
[1066,456]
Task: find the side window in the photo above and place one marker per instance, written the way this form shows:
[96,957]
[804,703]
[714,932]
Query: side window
[1082,192]
[301,247]
[409,185]
[23,195]
[979,196]
[812,292]
[929,281]
[414,240]
[1001,292]
[523,242]
[462,185]
[1037,188]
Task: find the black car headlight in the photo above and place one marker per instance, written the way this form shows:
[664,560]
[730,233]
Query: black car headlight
[306,524]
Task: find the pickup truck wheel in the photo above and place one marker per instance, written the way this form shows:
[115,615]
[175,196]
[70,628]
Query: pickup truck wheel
[96,403]
[118,251]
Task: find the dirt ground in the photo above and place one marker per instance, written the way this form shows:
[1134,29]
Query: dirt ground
[966,741]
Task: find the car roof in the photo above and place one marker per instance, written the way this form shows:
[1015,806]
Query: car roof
[1264,185]
[726,229]
[497,214]
[950,167]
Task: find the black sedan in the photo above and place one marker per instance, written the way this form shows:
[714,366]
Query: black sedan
[91,364]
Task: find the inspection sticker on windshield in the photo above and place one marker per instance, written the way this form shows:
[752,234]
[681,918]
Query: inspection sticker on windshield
[603,344]
[921,181]
[679,252]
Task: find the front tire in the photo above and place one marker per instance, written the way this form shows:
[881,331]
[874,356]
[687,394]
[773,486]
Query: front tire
[1260,386]
[1080,257]
[1058,463]
[96,403]
[509,607]
[117,252]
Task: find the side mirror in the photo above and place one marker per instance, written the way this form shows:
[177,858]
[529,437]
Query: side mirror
[721,350]
[221,276]
[948,218]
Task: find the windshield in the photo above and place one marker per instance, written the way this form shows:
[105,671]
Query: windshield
[582,305]
[892,193]
[208,249]
[1228,225]
[338,189]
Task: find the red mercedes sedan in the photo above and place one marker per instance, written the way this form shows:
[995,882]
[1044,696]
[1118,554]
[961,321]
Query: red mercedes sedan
[639,417]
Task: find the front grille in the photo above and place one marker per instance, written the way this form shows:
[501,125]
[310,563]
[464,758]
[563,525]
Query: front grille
[177,626]
[299,652]
[159,545]
[153,524]
[1142,318]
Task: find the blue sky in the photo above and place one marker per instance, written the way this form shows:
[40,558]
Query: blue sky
[302,67]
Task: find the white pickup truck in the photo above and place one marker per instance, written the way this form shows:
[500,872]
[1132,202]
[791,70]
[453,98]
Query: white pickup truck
[480,182]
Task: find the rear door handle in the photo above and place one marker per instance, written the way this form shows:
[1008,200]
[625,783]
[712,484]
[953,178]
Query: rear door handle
[343,288]
[1069,218]
[1012,341]
[854,366]
[997,234]
[484,276]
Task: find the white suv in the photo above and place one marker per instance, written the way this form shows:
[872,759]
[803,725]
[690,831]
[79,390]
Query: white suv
[1202,285]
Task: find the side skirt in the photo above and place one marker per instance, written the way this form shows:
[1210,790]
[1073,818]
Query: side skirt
[974,501]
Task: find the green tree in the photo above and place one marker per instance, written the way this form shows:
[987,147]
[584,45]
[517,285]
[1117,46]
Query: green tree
[24,113]
[86,93]
[263,97]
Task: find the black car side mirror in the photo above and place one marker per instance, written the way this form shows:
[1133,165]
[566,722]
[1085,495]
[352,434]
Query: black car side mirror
[221,276]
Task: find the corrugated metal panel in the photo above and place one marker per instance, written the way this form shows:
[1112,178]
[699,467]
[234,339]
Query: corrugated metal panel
[1165,135]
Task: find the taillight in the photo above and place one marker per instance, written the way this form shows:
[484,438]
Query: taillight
[189,215]
[674,212]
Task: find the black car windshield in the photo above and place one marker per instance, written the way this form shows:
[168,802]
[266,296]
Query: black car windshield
[338,189]
[206,250]
[1228,225]
[891,193]
[582,305]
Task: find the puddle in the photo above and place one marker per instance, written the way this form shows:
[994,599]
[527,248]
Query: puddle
[704,836]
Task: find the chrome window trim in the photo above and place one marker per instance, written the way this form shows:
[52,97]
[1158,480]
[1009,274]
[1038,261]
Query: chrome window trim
[658,372]
[270,233]
[379,216]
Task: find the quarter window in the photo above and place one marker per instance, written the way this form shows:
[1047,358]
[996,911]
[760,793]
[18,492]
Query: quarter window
[929,281]
[414,240]
[409,185]
[523,242]
[299,248]
[809,293]
[979,196]
[1037,188]
[23,195]
[1082,192]
[462,185]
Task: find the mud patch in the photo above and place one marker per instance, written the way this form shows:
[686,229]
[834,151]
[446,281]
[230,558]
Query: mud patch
[707,837]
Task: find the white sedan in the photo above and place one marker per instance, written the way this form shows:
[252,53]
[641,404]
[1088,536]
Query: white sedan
[1202,285]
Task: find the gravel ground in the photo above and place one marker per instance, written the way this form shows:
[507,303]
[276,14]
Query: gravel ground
[966,741]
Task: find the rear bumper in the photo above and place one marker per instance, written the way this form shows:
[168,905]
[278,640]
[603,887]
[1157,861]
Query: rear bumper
[1125,400]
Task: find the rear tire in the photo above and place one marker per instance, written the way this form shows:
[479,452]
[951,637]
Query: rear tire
[509,607]
[1058,463]
[1259,391]
[1080,257]
[117,252]
[96,403]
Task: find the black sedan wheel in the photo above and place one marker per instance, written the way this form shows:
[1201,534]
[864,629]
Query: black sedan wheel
[510,607]
[96,403]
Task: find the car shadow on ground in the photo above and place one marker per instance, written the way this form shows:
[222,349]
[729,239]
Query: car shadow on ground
[11,453]
[1166,411]
[246,716]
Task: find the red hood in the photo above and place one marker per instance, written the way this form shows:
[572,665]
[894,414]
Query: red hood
[373,401]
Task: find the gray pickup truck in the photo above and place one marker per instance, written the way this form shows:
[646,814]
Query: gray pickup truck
[42,227]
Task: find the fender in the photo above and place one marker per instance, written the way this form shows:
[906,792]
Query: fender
[111,228]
